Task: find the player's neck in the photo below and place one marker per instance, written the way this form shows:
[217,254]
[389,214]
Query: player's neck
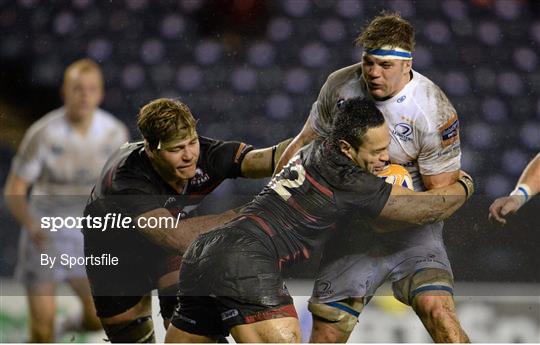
[81,125]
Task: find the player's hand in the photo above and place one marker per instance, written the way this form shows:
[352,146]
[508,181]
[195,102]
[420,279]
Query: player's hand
[37,234]
[503,207]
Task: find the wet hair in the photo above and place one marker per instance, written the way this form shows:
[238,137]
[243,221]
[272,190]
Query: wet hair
[355,116]
[165,120]
[388,28]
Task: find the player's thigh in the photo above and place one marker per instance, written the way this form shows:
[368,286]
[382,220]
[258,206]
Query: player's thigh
[281,330]
[176,335]
[356,275]
[425,282]
[167,291]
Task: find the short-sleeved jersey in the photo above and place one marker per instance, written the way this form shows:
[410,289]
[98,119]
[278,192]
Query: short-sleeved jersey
[129,185]
[59,161]
[300,205]
[423,124]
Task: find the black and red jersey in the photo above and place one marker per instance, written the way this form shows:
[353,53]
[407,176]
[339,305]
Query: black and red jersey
[300,205]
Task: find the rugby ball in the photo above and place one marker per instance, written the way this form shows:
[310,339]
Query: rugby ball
[398,175]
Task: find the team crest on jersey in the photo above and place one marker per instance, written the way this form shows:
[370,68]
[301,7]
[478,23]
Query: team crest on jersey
[403,131]
[199,178]
[450,131]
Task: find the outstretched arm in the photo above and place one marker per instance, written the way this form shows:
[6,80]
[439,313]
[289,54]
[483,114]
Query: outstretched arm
[177,238]
[306,135]
[15,192]
[406,208]
[261,162]
[528,185]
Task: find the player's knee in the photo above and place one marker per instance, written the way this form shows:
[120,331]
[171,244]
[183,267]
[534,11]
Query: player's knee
[289,336]
[140,330]
[341,315]
[434,307]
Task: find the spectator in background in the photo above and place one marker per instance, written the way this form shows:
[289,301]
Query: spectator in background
[60,157]
[528,185]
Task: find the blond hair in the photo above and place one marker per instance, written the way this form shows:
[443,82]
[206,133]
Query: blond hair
[165,120]
[82,66]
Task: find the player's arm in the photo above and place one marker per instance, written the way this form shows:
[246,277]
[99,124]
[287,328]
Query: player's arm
[528,185]
[177,237]
[440,180]
[25,169]
[320,116]
[15,192]
[306,135]
[261,162]
[406,208]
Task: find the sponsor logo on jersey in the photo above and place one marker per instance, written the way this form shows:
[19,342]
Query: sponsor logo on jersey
[229,314]
[403,131]
[450,131]
[199,178]
[401,99]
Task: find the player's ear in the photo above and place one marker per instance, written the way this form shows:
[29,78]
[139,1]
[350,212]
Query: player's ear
[151,153]
[407,66]
[346,148]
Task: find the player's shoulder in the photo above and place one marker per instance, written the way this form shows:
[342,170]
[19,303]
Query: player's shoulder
[130,162]
[209,148]
[207,143]
[435,109]
[51,121]
[344,74]
[108,120]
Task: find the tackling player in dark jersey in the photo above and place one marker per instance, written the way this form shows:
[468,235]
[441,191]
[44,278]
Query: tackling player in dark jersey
[231,277]
[160,180]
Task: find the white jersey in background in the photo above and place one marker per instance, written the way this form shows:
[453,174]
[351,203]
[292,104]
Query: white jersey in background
[62,165]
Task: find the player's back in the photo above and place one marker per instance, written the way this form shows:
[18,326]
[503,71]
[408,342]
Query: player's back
[300,206]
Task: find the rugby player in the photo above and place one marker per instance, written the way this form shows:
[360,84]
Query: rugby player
[60,157]
[166,176]
[528,186]
[230,279]
[424,130]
